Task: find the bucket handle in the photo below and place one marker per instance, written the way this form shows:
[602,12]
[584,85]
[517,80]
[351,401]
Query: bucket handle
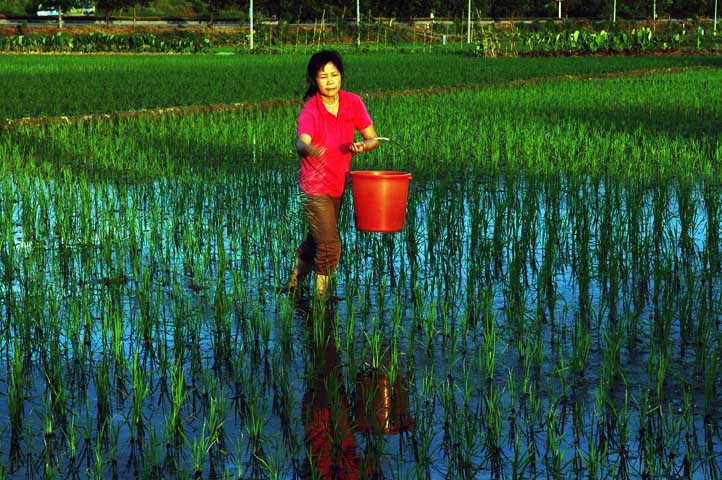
[394,142]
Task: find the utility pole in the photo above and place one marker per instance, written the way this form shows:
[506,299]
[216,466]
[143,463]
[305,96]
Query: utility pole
[654,15]
[250,19]
[614,12]
[468,25]
[358,24]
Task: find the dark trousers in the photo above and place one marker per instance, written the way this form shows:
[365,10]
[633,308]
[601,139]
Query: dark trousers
[322,246]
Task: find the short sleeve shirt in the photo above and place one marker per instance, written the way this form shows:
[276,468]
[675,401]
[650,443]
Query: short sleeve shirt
[326,175]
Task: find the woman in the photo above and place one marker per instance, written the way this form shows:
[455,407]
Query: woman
[325,142]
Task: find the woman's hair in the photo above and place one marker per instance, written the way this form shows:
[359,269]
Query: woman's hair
[316,63]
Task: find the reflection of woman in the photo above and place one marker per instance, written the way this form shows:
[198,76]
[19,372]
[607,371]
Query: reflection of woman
[329,436]
[325,142]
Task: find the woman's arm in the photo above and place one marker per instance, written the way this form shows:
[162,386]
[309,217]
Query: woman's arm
[305,148]
[369,143]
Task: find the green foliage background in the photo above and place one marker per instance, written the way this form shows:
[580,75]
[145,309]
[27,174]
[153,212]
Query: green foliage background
[402,9]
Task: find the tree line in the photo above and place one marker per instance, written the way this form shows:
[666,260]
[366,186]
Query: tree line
[302,10]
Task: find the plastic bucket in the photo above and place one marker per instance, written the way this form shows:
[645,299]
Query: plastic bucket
[379,200]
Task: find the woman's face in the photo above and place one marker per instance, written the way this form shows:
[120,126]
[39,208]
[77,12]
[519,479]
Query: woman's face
[328,80]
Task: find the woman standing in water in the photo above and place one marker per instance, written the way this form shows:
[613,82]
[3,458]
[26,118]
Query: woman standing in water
[325,141]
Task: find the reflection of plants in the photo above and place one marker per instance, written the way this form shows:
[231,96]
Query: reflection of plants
[493,427]
[98,454]
[422,439]
[711,378]
[16,397]
[152,456]
[581,343]
[114,441]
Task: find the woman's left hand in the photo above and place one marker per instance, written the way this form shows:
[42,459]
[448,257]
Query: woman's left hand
[357,147]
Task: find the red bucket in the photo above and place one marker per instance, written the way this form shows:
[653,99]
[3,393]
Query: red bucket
[381,406]
[379,200]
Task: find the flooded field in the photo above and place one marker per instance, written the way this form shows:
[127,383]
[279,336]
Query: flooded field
[518,325]
[552,307]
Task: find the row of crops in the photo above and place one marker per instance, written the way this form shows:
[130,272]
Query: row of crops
[34,86]
[138,42]
[577,42]
[551,308]
[660,125]
[490,42]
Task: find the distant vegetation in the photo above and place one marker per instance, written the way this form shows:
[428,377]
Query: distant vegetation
[578,38]
[402,10]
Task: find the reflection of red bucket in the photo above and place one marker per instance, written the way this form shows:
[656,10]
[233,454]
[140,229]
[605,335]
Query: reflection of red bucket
[381,407]
[379,200]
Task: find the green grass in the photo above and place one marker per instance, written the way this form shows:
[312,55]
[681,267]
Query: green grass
[32,86]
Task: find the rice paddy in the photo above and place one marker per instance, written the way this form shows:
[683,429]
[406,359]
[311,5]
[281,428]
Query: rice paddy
[551,309]
[57,85]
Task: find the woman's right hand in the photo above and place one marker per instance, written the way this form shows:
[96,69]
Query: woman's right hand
[314,150]
[306,148]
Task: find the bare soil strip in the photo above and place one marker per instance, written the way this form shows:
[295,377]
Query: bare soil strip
[267,104]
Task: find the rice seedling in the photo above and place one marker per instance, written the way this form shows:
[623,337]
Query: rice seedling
[71,445]
[552,303]
[140,392]
[174,423]
[199,450]
[254,427]
[492,422]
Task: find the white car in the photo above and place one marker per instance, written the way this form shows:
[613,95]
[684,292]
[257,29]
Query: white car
[86,9]
[43,12]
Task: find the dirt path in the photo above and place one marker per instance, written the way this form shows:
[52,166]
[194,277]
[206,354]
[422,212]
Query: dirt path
[267,104]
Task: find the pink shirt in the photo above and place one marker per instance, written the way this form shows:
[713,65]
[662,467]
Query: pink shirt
[326,175]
